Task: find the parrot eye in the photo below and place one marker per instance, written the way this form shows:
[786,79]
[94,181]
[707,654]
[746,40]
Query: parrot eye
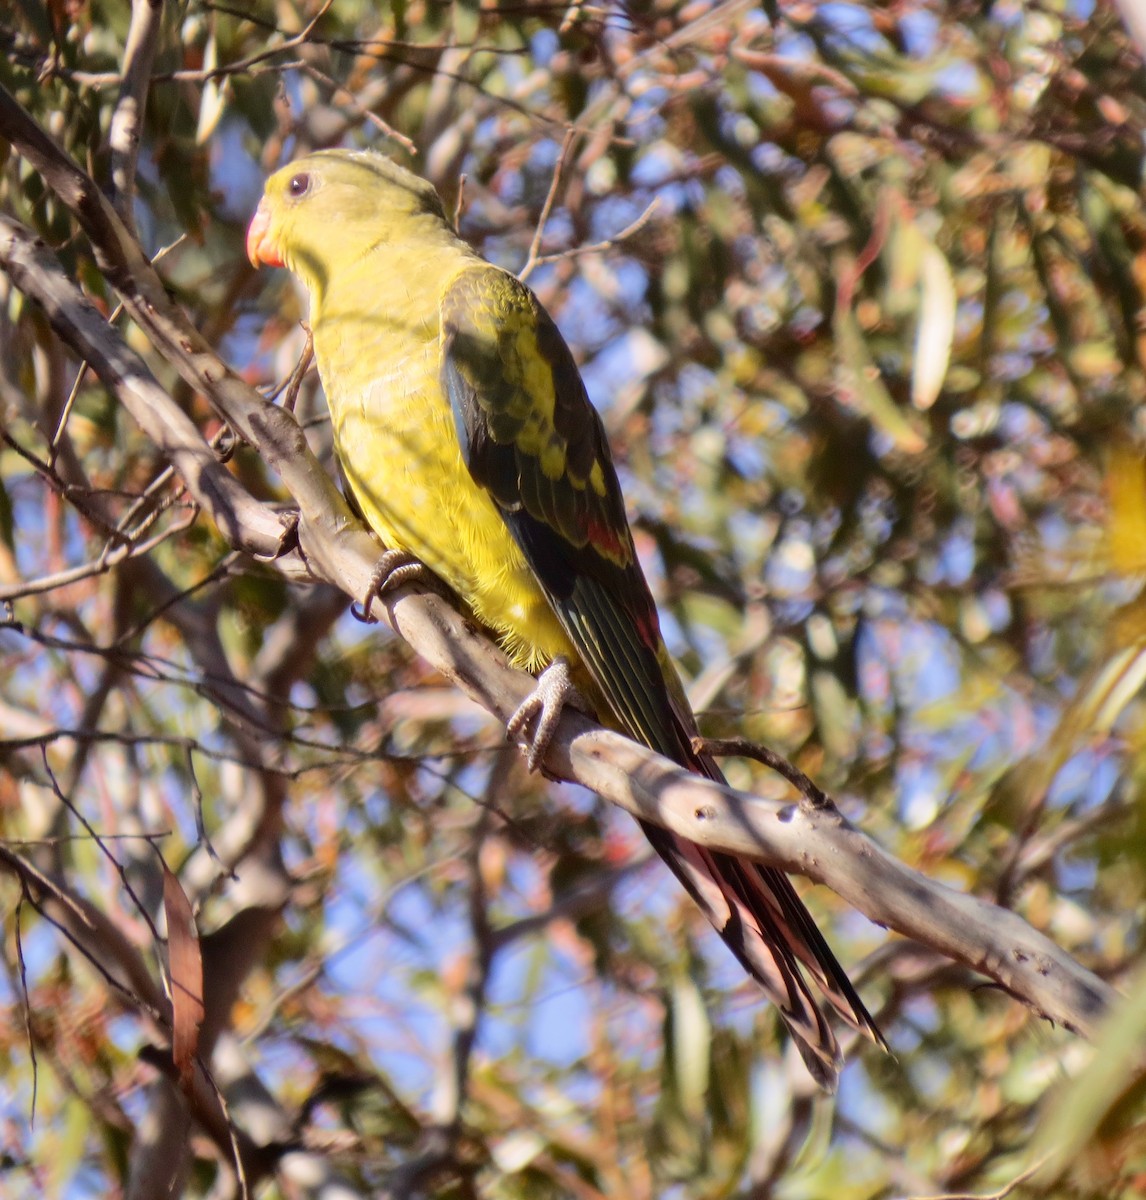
[299,185]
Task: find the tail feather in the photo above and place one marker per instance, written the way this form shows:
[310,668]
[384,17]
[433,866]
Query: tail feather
[755,909]
[765,924]
[779,936]
[767,948]
[773,889]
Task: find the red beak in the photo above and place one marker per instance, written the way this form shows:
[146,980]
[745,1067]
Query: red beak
[260,247]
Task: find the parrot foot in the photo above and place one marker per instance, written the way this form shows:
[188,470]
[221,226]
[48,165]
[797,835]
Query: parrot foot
[393,569]
[540,711]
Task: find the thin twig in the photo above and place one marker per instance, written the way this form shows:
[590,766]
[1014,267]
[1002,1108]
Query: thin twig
[634,227]
[62,839]
[220,571]
[339,89]
[1001,1194]
[81,374]
[743,748]
[289,388]
[232,1130]
[531,260]
[117,866]
[200,824]
[132,999]
[27,1000]
[111,556]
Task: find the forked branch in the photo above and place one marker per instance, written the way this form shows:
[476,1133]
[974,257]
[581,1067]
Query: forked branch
[333,546]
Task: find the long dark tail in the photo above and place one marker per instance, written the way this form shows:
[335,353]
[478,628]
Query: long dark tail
[762,920]
[754,908]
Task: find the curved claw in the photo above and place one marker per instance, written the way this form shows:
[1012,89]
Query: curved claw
[393,569]
[541,710]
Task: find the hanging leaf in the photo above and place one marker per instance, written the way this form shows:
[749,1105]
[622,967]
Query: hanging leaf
[1096,1118]
[936,329]
[1126,489]
[691,1046]
[212,102]
[185,976]
[861,386]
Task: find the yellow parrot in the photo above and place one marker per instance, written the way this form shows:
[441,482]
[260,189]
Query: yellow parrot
[468,443]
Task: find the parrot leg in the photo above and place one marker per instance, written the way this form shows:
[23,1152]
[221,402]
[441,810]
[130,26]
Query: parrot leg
[541,710]
[393,569]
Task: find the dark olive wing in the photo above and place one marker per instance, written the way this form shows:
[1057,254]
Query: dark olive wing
[530,437]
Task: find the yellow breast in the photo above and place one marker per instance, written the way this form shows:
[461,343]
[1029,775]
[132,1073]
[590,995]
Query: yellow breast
[395,439]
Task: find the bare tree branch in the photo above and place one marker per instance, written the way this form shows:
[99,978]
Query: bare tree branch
[127,118]
[819,844]
[35,271]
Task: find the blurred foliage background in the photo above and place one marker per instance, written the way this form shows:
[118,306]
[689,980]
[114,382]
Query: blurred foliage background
[858,289]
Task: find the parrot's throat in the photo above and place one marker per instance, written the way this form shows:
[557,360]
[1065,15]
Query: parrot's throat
[396,281]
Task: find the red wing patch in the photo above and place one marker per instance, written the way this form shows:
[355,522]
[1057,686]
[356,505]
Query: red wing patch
[608,542]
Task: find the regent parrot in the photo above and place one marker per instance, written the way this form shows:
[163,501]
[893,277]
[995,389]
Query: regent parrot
[467,440]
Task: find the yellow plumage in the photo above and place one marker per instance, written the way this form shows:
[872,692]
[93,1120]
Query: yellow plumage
[375,320]
[466,437]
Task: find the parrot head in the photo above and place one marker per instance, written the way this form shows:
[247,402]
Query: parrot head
[322,212]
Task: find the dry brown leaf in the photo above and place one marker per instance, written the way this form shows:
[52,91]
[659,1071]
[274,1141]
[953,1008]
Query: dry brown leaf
[185,976]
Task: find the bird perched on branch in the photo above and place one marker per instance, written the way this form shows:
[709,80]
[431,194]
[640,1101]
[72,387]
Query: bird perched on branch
[469,445]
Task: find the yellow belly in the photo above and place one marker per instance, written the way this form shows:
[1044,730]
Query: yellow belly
[397,444]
